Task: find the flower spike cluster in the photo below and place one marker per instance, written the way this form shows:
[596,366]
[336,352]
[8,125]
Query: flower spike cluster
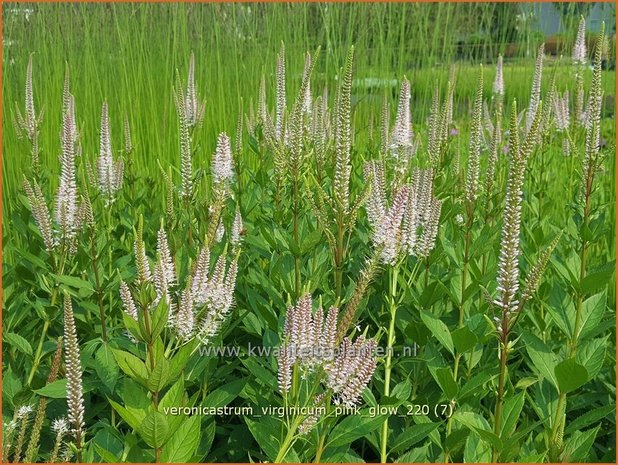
[110,172]
[199,309]
[75,396]
[310,342]
[410,225]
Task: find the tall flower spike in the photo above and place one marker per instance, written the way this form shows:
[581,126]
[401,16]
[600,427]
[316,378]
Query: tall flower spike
[385,124]
[28,124]
[376,203]
[110,173]
[593,123]
[389,234]
[186,161]
[285,362]
[535,94]
[141,260]
[508,261]
[343,137]
[580,54]
[498,86]
[433,136]
[66,198]
[128,140]
[75,397]
[307,102]
[472,174]
[561,110]
[222,169]
[128,303]
[235,236]
[281,97]
[401,136]
[40,213]
[165,258]
[533,280]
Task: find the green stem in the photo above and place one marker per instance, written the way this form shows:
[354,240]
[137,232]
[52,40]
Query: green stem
[289,439]
[394,275]
[97,281]
[39,350]
[500,398]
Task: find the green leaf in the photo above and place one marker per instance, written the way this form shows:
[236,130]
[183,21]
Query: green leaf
[352,428]
[182,445]
[131,365]
[591,355]
[178,362]
[570,375]
[18,342]
[153,429]
[84,287]
[478,425]
[159,376]
[266,433]
[439,330]
[159,319]
[225,394]
[577,447]
[464,339]
[132,417]
[444,377]
[106,366]
[510,414]
[412,435]
[592,312]
[590,417]
[543,359]
[54,390]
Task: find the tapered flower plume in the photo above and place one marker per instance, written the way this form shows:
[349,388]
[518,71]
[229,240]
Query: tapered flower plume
[474,152]
[212,295]
[376,203]
[66,198]
[306,97]
[38,205]
[222,165]
[433,124]
[280,109]
[590,162]
[128,140]
[422,215]
[309,336]
[401,135]
[186,155]
[164,271]
[508,261]
[388,235]
[561,110]
[110,172]
[128,303]
[193,108]
[284,376]
[533,280]
[141,260]
[580,54]
[343,137]
[237,227]
[75,396]
[498,87]
[28,123]
[60,428]
[535,94]
[351,370]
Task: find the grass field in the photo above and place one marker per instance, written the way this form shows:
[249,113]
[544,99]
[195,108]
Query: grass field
[469,246]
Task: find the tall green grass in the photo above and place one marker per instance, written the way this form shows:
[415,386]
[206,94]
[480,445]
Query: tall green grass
[127,54]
